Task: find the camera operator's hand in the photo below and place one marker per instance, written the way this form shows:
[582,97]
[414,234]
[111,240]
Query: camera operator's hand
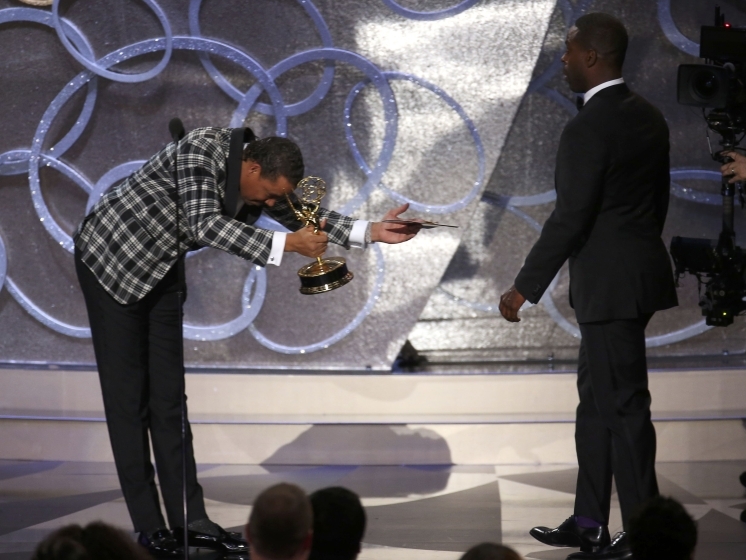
[736,169]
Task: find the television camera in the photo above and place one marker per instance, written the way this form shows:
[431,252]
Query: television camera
[719,88]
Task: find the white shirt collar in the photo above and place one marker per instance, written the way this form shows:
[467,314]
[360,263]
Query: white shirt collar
[594,90]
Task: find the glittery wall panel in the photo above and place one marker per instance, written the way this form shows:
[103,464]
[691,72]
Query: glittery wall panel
[461,319]
[415,107]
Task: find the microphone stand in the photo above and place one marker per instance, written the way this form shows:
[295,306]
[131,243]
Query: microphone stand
[176,128]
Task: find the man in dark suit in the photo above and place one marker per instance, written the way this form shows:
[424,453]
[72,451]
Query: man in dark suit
[612,183]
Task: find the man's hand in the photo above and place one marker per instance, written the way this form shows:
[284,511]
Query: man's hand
[306,242]
[393,233]
[735,169]
[510,303]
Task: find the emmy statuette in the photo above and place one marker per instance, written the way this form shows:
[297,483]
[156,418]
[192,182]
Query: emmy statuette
[322,275]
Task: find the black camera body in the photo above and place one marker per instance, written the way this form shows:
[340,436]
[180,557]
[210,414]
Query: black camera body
[721,271]
[720,86]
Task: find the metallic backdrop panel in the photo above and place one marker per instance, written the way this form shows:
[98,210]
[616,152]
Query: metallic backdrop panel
[461,320]
[390,102]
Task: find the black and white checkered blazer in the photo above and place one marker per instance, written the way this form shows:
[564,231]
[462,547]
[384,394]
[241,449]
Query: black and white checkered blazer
[127,240]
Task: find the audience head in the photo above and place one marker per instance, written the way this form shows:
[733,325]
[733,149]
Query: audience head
[662,530]
[280,523]
[490,551]
[96,541]
[338,524]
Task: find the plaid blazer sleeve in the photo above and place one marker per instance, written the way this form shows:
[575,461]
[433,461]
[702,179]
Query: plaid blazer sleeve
[338,227]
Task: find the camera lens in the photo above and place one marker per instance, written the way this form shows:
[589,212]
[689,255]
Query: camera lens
[705,84]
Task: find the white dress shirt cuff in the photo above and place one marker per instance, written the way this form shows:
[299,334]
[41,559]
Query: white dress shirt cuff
[357,235]
[278,248]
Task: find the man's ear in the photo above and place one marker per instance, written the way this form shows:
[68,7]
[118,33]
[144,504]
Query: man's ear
[250,166]
[591,58]
[247,533]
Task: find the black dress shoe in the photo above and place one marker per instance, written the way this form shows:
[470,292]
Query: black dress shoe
[229,543]
[160,544]
[617,550]
[571,534]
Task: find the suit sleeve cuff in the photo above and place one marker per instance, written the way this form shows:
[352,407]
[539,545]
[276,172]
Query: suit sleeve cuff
[278,248]
[532,291]
[357,235]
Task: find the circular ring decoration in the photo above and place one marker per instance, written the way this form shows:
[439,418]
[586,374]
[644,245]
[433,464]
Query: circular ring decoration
[336,337]
[414,205]
[693,195]
[117,76]
[256,279]
[42,316]
[429,16]
[137,49]
[292,110]
[16,161]
[671,31]
[376,77]
[35,157]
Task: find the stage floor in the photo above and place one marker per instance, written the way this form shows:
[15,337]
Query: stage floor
[414,513]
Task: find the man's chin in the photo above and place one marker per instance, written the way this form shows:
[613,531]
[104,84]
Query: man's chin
[579,90]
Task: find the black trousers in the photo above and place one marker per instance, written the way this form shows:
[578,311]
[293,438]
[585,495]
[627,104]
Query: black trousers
[613,430]
[140,366]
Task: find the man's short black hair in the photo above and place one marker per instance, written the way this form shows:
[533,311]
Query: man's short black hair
[95,541]
[604,34]
[280,521]
[490,551]
[662,530]
[338,524]
[278,157]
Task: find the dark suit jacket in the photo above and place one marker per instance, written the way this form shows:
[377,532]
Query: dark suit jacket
[612,182]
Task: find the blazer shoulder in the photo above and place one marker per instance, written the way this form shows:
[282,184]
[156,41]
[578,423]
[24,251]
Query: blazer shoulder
[583,127]
[621,108]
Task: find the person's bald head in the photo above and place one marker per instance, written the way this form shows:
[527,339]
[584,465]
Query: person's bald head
[280,524]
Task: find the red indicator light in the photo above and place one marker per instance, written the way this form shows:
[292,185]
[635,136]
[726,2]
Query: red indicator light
[727,25]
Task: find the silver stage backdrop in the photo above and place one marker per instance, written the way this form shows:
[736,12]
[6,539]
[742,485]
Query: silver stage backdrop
[391,101]
[461,320]
[454,105]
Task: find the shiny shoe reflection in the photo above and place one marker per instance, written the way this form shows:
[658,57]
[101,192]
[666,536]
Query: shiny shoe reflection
[160,544]
[617,550]
[230,543]
[569,533]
